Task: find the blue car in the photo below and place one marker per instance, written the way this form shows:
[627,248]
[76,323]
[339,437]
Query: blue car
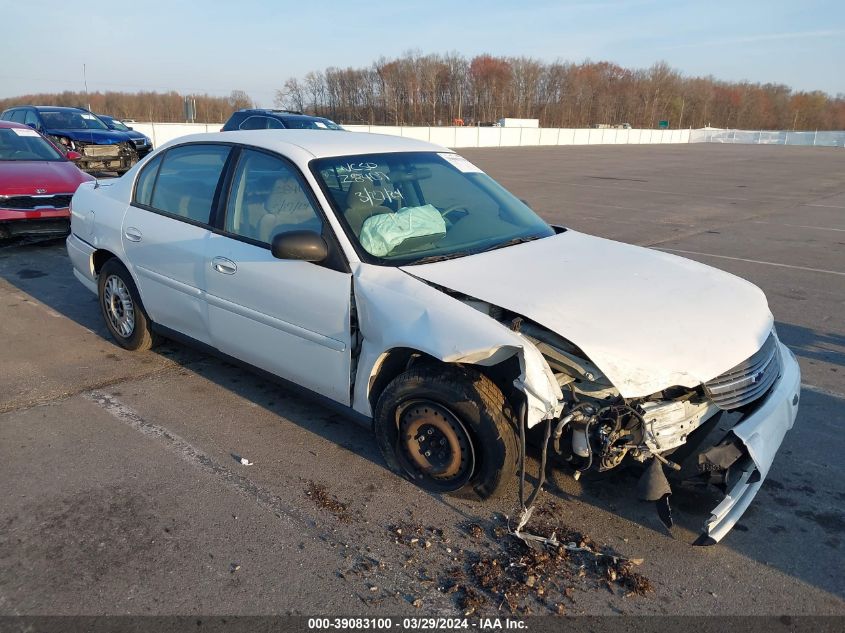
[81,131]
[143,144]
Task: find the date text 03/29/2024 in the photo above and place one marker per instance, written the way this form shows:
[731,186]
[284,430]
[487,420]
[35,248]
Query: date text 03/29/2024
[422,624]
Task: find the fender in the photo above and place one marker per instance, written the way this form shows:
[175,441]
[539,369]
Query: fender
[397,310]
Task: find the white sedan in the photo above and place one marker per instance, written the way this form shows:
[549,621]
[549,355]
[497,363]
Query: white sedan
[397,279]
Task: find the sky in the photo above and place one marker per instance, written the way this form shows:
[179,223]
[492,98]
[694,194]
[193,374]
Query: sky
[255,45]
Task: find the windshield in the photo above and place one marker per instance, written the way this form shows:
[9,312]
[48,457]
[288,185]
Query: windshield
[305,123]
[69,120]
[405,208]
[114,124]
[25,144]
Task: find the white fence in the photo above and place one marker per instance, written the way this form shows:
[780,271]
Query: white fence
[532,137]
[768,137]
[160,133]
[526,136]
[461,136]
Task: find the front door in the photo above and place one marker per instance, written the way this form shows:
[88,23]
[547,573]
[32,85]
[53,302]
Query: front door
[291,318]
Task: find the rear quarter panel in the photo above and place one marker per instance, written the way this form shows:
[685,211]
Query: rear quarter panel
[97,216]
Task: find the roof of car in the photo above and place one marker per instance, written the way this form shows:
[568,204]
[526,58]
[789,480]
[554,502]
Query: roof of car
[274,111]
[59,108]
[13,124]
[317,143]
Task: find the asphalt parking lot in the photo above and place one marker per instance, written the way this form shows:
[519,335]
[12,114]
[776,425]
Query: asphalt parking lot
[121,494]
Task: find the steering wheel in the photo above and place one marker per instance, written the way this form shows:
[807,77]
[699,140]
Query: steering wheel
[459,209]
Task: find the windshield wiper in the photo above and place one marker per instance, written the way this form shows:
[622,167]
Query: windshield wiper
[439,258]
[513,242]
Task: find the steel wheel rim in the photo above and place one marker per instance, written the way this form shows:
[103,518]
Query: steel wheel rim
[119,307]
[434,445]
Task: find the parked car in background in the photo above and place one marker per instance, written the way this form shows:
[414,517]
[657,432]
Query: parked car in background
[36,183]
[260,119]
[143,144]
[78,130]
[396,278]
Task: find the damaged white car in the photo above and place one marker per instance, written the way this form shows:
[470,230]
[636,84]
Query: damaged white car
[394,277]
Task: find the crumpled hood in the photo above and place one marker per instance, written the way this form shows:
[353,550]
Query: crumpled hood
[647,319]
[98,137]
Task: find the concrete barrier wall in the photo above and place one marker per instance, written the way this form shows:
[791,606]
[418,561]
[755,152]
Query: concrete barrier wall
[526,137]
[161,133]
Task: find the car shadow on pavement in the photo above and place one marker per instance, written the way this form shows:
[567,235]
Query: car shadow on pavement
[795,524]
[813,345]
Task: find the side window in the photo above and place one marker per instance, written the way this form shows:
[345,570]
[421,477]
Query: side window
[144,186]
[267,198]
[254,123]
[187,180]
[274,124]
[19,116]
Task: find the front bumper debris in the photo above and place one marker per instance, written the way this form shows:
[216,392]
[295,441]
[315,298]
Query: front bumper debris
[761,434]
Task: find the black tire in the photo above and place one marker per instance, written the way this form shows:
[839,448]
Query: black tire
[421,401]
[116,306]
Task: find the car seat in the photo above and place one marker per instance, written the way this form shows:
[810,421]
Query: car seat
[368,198]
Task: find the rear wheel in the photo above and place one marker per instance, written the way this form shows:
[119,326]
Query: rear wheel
[448,429]
[125,317]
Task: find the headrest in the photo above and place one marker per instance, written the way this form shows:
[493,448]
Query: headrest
[367,194]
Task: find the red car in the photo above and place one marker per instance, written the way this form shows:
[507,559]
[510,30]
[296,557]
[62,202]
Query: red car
[36,183]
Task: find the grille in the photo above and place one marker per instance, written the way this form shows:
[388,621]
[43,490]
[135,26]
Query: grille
[27,203]
[101,150]
[747,381]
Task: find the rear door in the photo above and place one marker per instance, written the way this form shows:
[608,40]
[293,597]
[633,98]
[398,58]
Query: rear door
[166,230]
[291,318]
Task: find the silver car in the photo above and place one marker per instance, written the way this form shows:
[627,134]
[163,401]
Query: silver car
[397,279]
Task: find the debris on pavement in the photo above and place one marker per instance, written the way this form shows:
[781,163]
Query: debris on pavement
[241,460]
[318,493]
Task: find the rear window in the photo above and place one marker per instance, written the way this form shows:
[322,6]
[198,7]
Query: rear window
[307,123]
[144,186]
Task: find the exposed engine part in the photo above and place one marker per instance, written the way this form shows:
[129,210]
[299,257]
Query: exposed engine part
[579,415]
[667,424]
[113,157]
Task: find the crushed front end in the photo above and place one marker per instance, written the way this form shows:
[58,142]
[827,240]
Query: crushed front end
[118,157]
[724,433]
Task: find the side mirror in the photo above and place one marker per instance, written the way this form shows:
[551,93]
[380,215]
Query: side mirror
[34,126]
[306,246]
[74,156]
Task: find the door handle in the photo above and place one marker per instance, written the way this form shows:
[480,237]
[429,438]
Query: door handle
[132,234]
[223,265]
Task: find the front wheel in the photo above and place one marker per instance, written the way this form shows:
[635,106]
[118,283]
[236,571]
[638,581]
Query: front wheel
[448,429]
[125,317]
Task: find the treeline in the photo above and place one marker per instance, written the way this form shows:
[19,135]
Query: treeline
[164,107]
[440,89]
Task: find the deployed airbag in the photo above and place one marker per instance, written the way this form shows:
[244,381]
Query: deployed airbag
[382,233]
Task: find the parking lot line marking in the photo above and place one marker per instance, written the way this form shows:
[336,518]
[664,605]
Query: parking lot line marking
[752,261]
[826,206]
[822,391]
[265,498]
[801,226]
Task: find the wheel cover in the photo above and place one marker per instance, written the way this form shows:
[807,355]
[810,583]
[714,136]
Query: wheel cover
[119,307]
[434,445]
